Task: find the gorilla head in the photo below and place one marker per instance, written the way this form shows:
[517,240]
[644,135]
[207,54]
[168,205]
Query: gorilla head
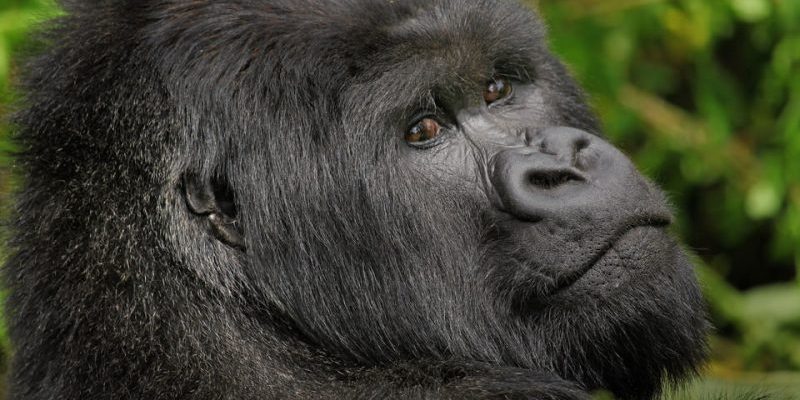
[255,199]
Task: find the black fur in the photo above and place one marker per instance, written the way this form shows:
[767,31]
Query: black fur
[345,270]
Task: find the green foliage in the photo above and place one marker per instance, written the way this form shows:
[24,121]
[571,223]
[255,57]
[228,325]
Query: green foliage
[17,18]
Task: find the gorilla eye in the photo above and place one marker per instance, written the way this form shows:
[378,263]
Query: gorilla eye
[496,89]
[423,131]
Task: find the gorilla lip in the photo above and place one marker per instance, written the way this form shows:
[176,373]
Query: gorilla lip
[558,274]
[568,280]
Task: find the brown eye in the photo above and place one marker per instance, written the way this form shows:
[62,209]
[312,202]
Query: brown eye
[496,89]
[424,130]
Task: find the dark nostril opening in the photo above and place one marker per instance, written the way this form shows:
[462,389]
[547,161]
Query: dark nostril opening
[581,143]
[552,179]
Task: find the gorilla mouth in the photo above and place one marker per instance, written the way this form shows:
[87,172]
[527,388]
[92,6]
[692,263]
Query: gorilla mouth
[630,240]
[545,261]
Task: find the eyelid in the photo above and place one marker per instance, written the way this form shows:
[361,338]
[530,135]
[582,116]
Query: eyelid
[428,143]
[443,121]
[422,114]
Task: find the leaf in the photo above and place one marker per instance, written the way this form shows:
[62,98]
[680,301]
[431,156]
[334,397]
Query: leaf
[752,10]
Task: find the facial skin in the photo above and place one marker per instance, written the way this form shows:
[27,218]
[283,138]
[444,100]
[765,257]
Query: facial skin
[255,199]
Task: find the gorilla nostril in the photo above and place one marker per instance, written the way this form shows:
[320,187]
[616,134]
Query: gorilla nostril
[581,143]
[551,179]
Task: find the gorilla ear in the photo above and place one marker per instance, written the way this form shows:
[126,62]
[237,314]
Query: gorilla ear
[214,201]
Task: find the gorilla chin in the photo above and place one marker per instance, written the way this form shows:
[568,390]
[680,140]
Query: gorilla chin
[631,317]
[351,199]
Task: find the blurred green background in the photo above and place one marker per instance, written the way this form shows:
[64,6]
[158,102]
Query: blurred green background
[705,96]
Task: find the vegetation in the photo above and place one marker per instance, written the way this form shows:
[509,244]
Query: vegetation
[705,96]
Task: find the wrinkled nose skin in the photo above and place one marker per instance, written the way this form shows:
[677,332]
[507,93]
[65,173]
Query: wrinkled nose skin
[569,176]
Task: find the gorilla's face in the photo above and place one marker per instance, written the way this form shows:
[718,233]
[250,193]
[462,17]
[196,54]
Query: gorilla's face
[560,202]
[422,180]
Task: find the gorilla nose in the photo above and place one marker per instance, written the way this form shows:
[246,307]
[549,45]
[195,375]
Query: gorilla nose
[559,162]
[561,173]
[535,180]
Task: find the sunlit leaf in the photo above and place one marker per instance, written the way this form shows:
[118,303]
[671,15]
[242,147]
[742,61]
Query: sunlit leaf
[752,10]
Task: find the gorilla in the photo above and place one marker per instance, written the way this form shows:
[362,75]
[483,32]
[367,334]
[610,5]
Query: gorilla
[343,199]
